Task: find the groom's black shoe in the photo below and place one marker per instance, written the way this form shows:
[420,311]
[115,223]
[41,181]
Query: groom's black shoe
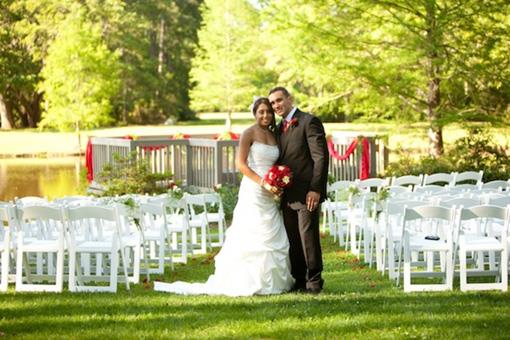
[297,288]
[314,291]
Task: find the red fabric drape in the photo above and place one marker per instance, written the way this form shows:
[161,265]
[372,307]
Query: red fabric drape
[365,155]
[88,161]
[365,159]
[348,152]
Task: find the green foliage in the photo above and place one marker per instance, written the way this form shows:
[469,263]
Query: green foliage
[403,60]
[229,68]
[474,152]
[408,165]
[229,195]
[80,76]
[478,151]
[132,175]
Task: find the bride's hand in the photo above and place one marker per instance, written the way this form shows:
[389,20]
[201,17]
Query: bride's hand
[272,189]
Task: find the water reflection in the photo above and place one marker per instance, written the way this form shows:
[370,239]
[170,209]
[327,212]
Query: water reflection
[49,177]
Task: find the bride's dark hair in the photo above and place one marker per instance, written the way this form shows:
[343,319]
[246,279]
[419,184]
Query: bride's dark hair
[264,100]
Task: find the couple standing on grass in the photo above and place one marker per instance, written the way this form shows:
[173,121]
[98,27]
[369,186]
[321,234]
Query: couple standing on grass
[268,250]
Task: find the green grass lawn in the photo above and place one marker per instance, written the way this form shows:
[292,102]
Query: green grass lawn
[357,302]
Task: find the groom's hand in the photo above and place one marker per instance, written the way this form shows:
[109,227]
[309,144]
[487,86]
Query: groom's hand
[312,200]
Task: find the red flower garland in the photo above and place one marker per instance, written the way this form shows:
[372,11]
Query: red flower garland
[229,135]
[365,154]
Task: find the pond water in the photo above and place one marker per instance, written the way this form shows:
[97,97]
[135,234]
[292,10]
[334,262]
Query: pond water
[46,177]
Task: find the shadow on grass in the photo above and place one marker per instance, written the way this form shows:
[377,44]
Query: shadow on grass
[357,302]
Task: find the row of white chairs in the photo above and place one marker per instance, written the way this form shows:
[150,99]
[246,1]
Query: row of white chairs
[357,228]
[90,236]
[339,189]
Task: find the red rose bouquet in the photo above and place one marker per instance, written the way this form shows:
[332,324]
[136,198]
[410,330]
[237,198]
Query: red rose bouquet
[278,176]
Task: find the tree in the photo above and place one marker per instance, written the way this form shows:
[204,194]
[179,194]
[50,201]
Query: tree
[229,68]
[421,58]
[80,75]
[19,101]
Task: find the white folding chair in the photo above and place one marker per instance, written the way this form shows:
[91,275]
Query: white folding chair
[41,233]
[361,222]
[431,189]
[75,201]
[473,176]
[156,236]
[130,232]
[177,225]
[334,209]
[440,177]
[407,181]
[215,216]
[198,221]
[484,215]
[390,242]
[7,227]
[29,201]
[428,229]
[372,184]
[94,231]
[497,184]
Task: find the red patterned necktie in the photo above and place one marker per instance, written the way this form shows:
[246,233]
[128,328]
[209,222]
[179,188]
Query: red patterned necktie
[285,125]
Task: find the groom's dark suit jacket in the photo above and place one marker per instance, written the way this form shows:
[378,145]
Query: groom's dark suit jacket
[303,148]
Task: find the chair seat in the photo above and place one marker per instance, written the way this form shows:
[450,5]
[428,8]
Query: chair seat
[473,242]
[94,247]
[40,246]
[131,240]
[214,217]
[338,205]
[419,243]
[196,223]
[152,234]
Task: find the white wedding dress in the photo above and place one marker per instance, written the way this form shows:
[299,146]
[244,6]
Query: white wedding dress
[254,259]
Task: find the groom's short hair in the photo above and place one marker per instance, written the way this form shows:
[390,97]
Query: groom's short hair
[280,88]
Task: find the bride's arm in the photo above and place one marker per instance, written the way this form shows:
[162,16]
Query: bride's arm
[242,157]
[245,142]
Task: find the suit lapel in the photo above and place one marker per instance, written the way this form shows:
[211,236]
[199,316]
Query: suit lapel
[287,136]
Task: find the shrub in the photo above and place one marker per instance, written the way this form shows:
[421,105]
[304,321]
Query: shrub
[477,151]
[131,175]
[229,195]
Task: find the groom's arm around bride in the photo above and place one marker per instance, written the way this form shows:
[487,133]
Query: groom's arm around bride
[303,148]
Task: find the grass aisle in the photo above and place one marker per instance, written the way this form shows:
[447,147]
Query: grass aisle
[356,303]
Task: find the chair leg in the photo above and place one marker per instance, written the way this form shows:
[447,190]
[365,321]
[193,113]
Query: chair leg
[463,269]
[5,270]
[59,272]
[114,268]
[504,270]
[72,271]
[124,264]
[407,270]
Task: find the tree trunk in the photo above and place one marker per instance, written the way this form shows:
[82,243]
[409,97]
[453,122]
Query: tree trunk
[6,119]
[33,109]
[433,97]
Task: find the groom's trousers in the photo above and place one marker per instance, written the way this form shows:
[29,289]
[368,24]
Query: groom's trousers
[305,253]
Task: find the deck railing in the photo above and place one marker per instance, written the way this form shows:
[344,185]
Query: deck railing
[204,162]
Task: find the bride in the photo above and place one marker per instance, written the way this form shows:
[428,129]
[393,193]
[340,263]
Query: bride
[254,259]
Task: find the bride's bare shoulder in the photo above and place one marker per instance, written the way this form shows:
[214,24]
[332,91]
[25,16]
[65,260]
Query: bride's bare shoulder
[248,134]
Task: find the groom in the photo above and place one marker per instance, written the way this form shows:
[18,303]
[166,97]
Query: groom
[303,148]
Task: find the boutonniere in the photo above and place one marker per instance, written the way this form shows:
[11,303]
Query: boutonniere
[290,124]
